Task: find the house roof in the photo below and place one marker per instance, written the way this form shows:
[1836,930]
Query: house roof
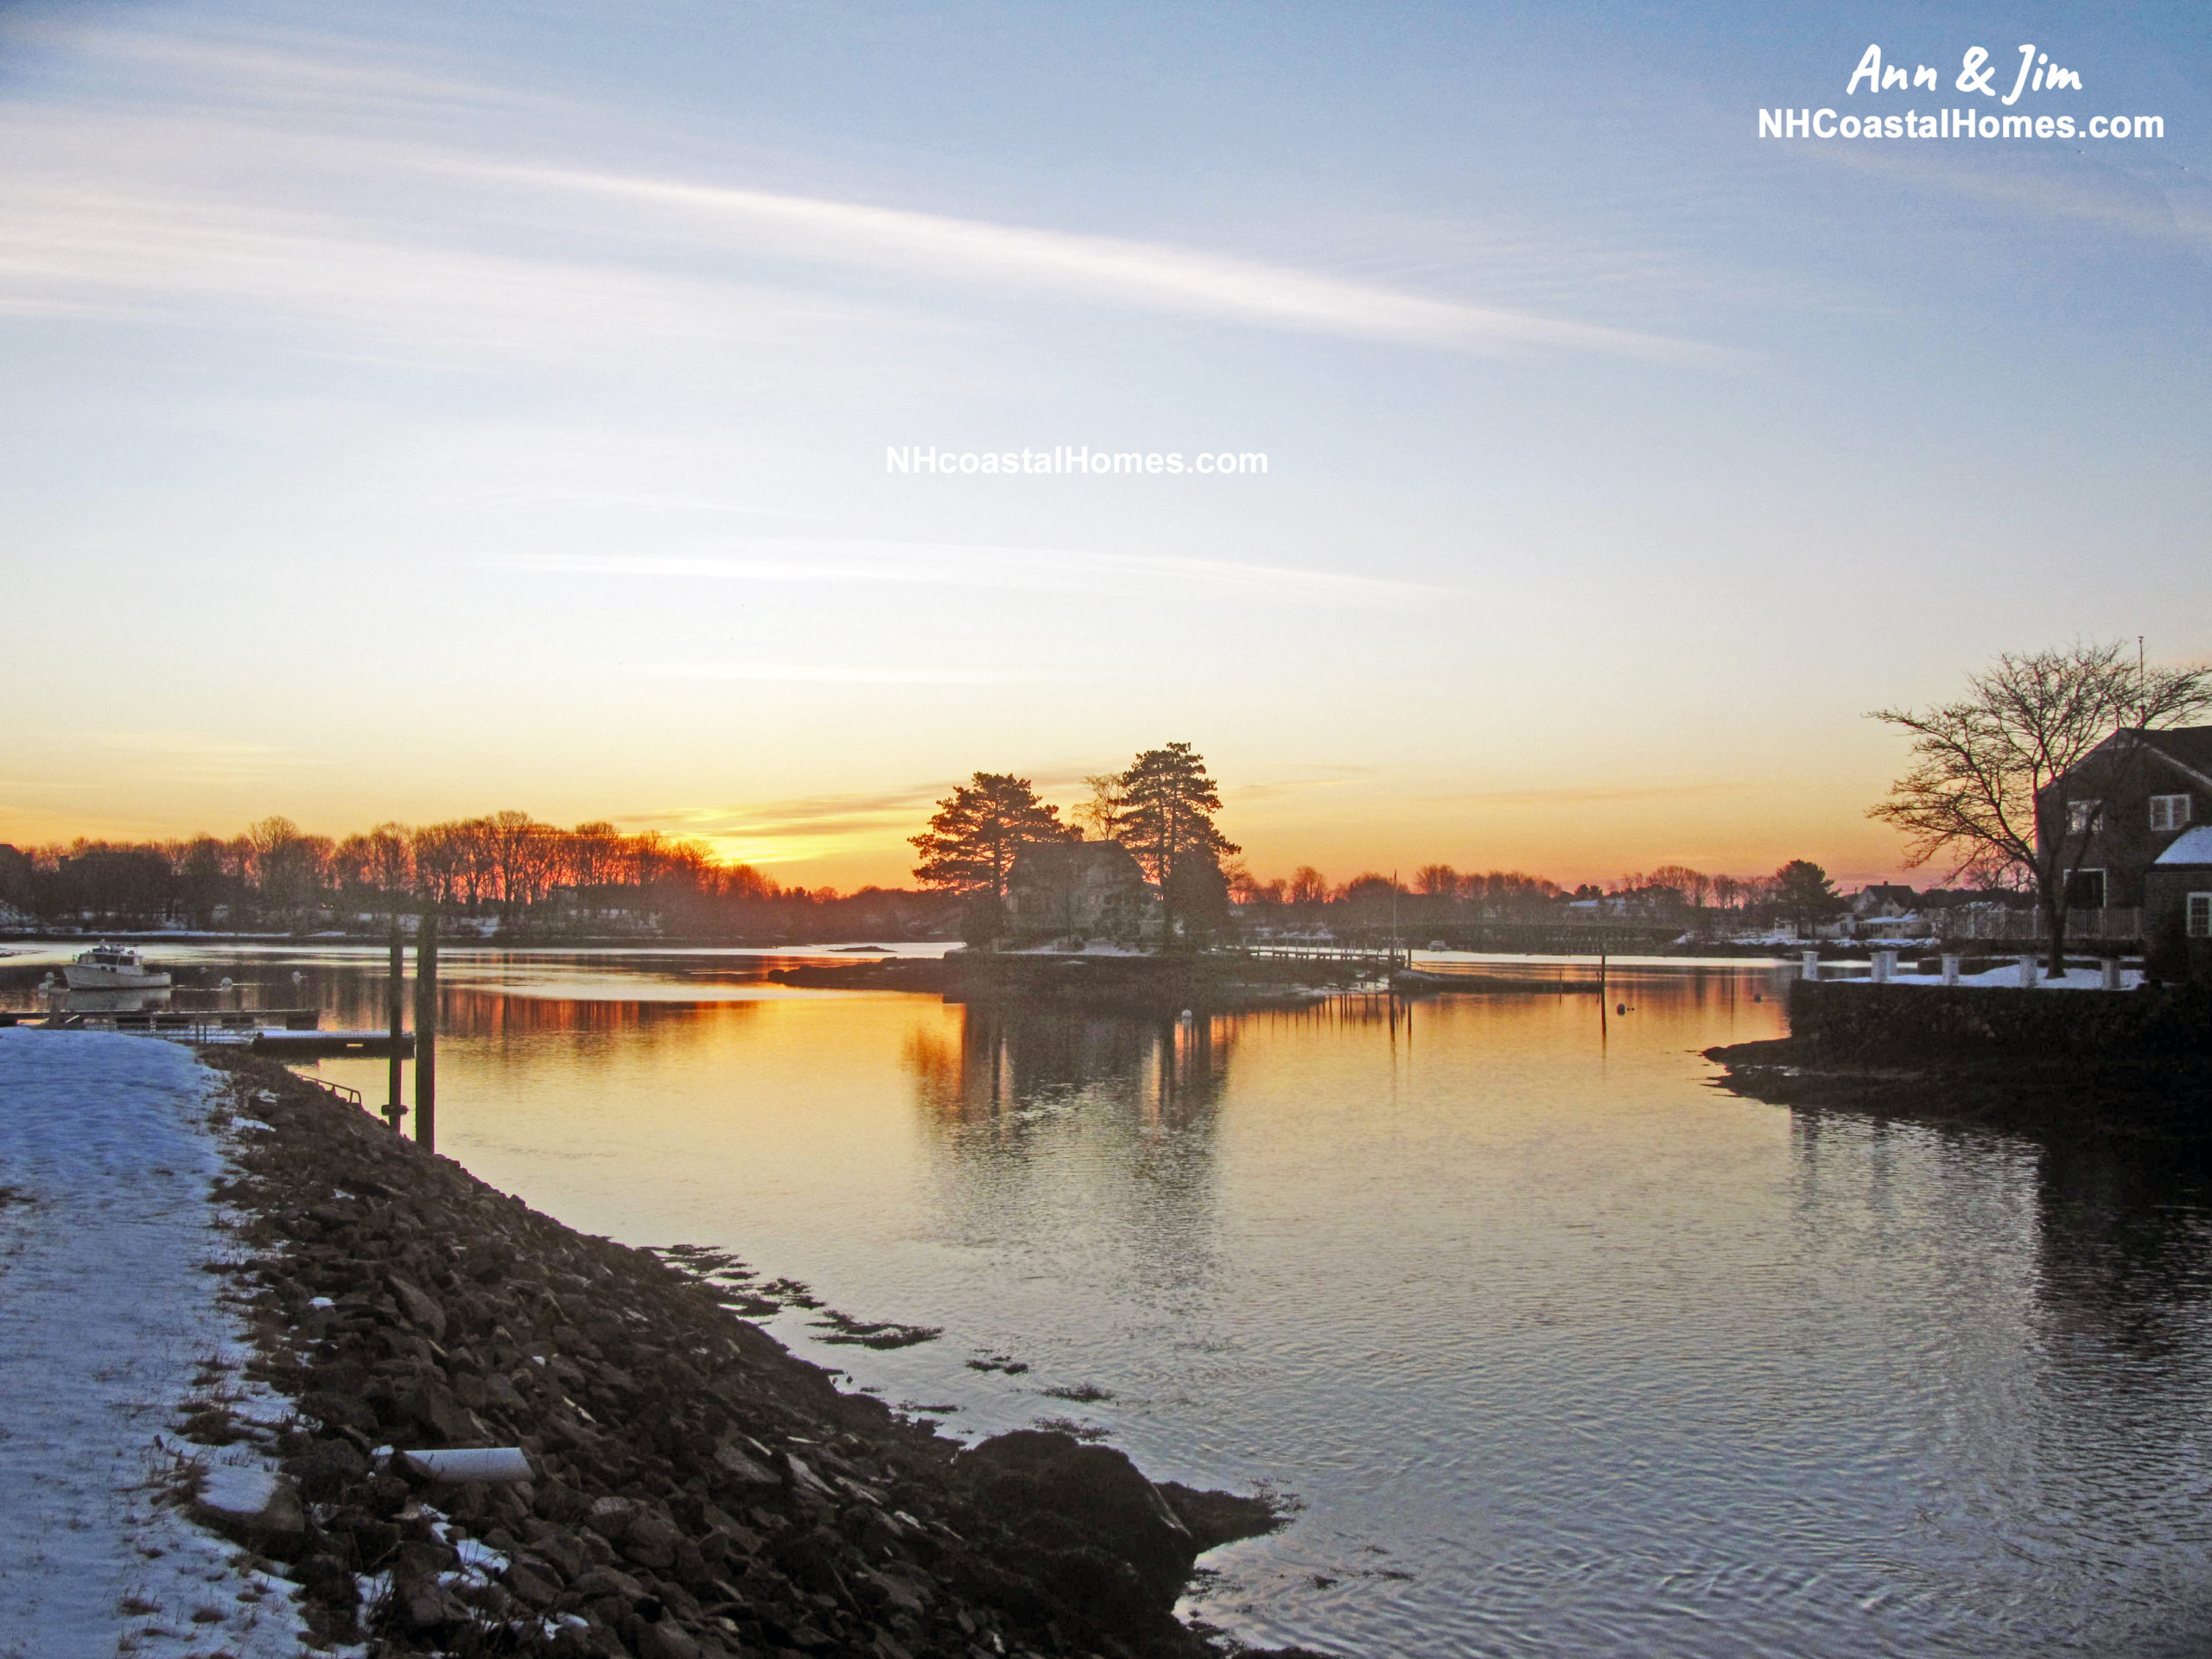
[2190,847]
[2190,746]
[1057,861]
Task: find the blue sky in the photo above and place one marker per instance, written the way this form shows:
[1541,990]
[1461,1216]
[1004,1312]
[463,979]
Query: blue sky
[423,410]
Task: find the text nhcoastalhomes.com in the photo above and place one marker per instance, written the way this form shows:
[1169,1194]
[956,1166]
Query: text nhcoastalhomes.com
[1069,459]
[2035,74]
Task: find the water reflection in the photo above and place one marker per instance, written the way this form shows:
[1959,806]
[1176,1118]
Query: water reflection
[1005,1066]
[1569,1351]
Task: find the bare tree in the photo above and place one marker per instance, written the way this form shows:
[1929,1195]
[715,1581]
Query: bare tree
[1101,815]
[1994,785]
[1307,885]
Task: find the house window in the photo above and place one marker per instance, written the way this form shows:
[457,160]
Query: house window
[2081,817]
[2169,812]
[2200,915]
[2085,890]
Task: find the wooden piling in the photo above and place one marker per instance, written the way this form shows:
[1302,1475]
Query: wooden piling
[426,1032]
[395,1012]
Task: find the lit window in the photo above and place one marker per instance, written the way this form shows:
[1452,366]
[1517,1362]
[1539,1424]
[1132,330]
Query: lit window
[2169,812]
[2200,915]
[2081,817]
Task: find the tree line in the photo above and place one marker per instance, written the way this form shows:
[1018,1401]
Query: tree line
[506,864]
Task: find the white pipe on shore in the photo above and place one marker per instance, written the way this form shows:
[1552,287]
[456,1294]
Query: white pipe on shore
[479,1463]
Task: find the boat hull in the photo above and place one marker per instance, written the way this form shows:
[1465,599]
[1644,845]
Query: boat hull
[80,977]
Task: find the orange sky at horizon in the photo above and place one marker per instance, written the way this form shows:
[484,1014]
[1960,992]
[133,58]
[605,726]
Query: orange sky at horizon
[1344,826]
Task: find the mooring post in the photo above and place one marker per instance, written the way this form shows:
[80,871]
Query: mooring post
[2111,965]
[395,1014]
[1950,970]
[426,1032]
[1812,960]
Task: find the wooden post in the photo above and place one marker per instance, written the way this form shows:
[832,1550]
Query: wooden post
[426,1032]
[395,1014]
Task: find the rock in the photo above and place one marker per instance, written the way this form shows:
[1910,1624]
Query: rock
[535,1587]
[557,1547]
[1092,1491]
[666,1641]
[421,1308]
[651,1542]
[1216,1518]
[327,1467]
[597,1582]
[427,1606]
[611,1518]
[257,1505]
[734,1463]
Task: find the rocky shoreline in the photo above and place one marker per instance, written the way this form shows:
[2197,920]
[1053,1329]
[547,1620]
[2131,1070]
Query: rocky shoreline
[694,1489]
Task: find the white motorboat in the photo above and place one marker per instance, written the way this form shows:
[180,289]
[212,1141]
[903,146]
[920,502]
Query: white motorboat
[111,968]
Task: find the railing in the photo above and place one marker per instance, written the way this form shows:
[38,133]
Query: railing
[2118,922]
[1348,954]
[336,1090]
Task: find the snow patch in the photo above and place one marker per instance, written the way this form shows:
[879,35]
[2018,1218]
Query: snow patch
[105,1314]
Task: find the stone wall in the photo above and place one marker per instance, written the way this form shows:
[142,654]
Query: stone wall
[1857,1020]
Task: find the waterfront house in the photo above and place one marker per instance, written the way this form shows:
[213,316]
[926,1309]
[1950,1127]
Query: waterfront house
[2135,795]
[1080,890]
[2180,878]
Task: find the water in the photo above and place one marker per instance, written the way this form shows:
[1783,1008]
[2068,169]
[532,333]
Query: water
[1564,1351]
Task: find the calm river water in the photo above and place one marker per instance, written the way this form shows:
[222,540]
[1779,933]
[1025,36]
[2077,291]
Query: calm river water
[1563,1350]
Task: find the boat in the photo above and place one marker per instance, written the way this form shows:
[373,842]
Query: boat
[111,968]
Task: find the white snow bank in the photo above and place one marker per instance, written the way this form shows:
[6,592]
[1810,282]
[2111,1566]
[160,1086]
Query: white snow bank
[105,1316]
[2008,978]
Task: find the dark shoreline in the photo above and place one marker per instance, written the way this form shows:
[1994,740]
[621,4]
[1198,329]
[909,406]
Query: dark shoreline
[698,1489]
[2152,1102]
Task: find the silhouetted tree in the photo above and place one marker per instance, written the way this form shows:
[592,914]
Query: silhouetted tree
[979,829]
[1167,819]
[1804,893]
[1992,773]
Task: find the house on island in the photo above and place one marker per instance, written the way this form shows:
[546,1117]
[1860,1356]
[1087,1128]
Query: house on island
[1080,890]
[2135,796]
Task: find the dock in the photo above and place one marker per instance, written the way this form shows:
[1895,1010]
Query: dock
[283,1032]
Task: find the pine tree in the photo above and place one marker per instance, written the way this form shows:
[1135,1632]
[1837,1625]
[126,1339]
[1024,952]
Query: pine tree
[978,831]
[1167,820]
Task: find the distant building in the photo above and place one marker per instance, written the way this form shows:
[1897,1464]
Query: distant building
[1079,889]
[1885,899]
[2137,793]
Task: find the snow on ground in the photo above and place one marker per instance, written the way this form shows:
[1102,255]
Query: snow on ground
[2008,977]
[108,1320]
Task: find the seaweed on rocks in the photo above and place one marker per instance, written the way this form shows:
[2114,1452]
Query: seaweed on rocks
[698,1490]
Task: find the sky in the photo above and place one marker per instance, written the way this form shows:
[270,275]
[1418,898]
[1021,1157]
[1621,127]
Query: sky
[416,412]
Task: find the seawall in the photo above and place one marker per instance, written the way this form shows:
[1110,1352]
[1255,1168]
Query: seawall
[1843,1019]
[695,1489]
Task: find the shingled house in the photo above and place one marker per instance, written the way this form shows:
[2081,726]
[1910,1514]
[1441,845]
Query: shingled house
[2130,798]
[1080,890]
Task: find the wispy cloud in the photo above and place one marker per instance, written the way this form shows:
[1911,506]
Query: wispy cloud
[1585,797]
[1114,271]
[937,564]
[81,248]
[831,674]
[2172,209]
[807,818]
[194,757]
